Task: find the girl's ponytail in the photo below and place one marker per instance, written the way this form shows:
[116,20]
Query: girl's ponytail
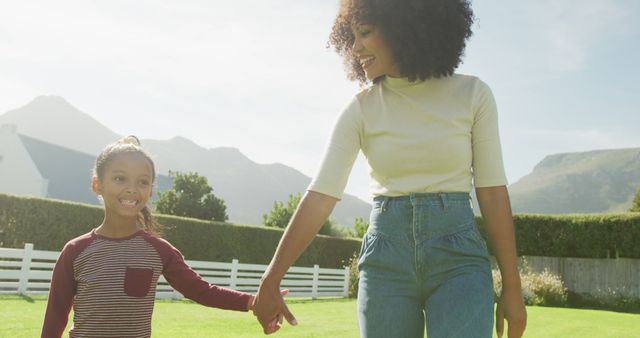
[146,219]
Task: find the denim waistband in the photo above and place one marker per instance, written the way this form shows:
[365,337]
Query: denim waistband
[435,198]
[420,216]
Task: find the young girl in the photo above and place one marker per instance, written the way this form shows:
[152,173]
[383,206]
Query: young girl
[109,275]
[430,136]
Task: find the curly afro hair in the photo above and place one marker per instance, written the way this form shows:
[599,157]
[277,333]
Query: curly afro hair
[427,37]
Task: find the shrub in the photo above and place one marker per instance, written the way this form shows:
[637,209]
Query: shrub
[360,227]
[635,205]
[280,215]
[545,288]
[605,300]
[354,276]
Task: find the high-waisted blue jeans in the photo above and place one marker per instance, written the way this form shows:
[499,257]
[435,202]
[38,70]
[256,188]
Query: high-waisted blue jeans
[423,260]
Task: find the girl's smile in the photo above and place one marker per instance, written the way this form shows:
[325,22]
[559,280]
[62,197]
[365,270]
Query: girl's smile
[129,203]
[125,189]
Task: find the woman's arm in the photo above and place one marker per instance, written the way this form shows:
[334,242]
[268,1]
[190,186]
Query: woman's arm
[312,212]
[496,212]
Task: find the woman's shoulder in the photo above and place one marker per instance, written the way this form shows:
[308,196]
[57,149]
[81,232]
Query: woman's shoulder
[466,85]
[369,94]
[364,93]
[470,80]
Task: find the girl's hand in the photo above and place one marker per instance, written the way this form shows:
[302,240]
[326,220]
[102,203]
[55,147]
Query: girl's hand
[511,307]
[270,309]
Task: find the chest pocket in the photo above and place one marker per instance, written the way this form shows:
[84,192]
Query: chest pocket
[137,281]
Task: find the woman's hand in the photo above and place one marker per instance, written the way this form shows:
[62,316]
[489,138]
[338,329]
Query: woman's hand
[496,211]
[511,307]
[269,307]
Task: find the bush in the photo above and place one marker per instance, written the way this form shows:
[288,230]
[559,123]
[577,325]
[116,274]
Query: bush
[547,289]
[360,227]
[354,276]
[280,215]
[635,205]
[608,300]
[544,289]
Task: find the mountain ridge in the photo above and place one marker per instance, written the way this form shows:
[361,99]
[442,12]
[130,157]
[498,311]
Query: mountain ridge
[581,182]
[88,140]
[248,188]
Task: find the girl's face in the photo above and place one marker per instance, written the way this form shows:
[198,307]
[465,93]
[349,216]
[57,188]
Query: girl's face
[125,186]
[373,53]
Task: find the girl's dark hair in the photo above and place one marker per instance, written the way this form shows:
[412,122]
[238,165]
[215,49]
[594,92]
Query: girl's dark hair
[128,145]
[427,37]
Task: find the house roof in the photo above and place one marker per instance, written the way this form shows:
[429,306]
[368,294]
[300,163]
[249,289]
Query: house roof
[69,171]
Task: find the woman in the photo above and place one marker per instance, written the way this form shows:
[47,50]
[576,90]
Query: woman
[430,136]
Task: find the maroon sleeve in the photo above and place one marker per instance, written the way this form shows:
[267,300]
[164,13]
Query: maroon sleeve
[186,281]
[61,293]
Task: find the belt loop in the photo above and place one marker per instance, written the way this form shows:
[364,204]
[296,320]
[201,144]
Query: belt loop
[385,199]
[443,199]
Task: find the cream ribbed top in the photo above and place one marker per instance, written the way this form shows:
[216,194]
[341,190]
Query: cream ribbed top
[438,135]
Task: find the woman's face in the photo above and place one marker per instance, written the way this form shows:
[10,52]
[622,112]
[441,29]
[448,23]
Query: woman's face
[373,53]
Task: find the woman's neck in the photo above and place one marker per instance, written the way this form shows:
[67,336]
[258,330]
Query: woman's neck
[117,227]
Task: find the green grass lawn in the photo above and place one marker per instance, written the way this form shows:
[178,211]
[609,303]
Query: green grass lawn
[22,317]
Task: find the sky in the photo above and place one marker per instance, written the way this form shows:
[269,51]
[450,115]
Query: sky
[258,76]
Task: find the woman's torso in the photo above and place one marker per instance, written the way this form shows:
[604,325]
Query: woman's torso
[438,135]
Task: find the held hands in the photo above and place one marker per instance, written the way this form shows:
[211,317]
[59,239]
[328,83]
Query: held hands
[511,307]
[269,307]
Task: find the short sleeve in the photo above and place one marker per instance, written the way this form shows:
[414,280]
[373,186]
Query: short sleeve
[487,165]
[340,153]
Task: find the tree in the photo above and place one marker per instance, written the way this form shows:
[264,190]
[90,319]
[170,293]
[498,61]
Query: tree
[191,196]
[280,215]
[635,206]
[361,227]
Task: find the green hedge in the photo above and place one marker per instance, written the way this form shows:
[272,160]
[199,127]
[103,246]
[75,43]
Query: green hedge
[213,241]
[49,224]
[583,235]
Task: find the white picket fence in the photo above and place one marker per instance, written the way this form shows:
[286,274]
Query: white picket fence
[27,271]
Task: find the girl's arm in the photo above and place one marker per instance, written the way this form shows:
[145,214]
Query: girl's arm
[61,293]
[496,212]
[312,212]
[186,281]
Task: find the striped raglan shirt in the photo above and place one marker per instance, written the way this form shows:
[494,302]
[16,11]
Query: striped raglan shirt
[111,285]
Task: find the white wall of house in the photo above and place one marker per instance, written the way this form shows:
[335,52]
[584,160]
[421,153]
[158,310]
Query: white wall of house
[18,174]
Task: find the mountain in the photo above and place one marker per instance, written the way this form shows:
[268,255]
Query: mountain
[52,119]
[248,188]
[585,182]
